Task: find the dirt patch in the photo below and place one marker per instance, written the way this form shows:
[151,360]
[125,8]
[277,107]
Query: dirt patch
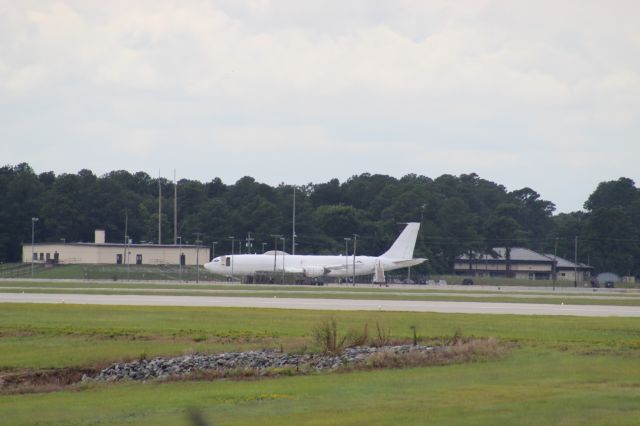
[42,380]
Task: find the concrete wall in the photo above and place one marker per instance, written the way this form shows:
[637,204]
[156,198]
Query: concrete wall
[108,253]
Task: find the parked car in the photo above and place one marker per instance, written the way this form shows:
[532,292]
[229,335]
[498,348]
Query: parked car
[467,281]
[609,284]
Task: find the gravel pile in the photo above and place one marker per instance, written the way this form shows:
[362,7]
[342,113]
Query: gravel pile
[259,361]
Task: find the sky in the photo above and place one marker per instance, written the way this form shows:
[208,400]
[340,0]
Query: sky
[540,94]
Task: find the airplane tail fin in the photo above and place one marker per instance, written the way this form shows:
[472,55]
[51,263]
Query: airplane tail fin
[403,246]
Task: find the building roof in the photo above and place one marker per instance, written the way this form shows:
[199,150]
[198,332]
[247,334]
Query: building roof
[563,263]
[518,254]
[149,245]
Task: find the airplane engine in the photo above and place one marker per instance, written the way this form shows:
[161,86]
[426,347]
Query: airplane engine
[314,271]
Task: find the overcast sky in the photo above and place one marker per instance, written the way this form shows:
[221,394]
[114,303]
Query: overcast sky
[544,94]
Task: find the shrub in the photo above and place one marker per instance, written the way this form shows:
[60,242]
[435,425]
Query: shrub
[326,336]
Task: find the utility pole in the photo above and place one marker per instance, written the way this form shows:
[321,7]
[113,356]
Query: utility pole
[293,233]
[127,253]
[283,252]
[575,262]
[213,249]
[233,240]
[555,263]
[355,239]
[126,234]
[159,209]
[179,258]
[33,230]
[198,242]
[346,258]
[275,251]
[175,208]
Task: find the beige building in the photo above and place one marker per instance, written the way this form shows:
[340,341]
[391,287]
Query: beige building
[100,252]
[523,264]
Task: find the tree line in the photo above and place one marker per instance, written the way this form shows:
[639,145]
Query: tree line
[459,215]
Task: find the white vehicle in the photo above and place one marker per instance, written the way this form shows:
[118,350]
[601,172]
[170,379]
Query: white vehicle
[400,255]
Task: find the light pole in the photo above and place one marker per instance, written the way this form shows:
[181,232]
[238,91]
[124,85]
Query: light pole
[127,253]
[293,230]
[355,239]
[198,242]
[233,243]
[213,249]
[346,258]
[33,230]
[179,238]
[555,262]
[283,245]
[275,252]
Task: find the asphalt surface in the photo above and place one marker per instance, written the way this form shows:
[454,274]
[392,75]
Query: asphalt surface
[327,304]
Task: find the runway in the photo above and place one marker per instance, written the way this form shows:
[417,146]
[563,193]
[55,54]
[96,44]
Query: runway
[327,304]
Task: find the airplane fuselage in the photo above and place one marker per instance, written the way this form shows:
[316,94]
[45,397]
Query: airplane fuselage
[310,266]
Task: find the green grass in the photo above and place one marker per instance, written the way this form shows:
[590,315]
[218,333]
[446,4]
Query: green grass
[36,336]
[563,370]
[532,387]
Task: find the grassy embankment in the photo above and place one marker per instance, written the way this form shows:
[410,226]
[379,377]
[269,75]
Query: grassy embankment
[565,370]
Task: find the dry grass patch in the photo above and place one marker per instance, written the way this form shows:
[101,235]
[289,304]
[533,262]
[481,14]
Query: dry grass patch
[469,350]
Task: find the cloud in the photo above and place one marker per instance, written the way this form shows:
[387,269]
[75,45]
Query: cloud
[396,87]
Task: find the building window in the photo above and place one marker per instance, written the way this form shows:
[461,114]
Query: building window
[119,259]
[138,259]
[183,259]
[35,256]
[48,257]
[41,256]
[56,257]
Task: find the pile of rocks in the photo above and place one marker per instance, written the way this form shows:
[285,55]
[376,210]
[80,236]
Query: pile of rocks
[258,361]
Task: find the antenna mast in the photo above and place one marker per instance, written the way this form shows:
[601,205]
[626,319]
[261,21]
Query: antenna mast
[175,208]
[159,209]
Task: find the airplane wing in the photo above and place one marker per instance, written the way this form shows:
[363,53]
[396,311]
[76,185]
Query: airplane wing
[408,262]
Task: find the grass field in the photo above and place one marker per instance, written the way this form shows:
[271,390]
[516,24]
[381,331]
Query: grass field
[563,370]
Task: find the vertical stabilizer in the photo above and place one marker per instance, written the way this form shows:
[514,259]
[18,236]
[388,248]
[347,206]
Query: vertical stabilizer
[403,247]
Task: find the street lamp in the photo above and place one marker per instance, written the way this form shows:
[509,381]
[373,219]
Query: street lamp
[33,228]
[346,259]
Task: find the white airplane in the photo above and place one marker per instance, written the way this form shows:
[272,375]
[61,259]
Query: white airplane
[400,255]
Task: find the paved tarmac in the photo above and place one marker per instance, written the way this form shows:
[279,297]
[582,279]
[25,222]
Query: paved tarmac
[327,304]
